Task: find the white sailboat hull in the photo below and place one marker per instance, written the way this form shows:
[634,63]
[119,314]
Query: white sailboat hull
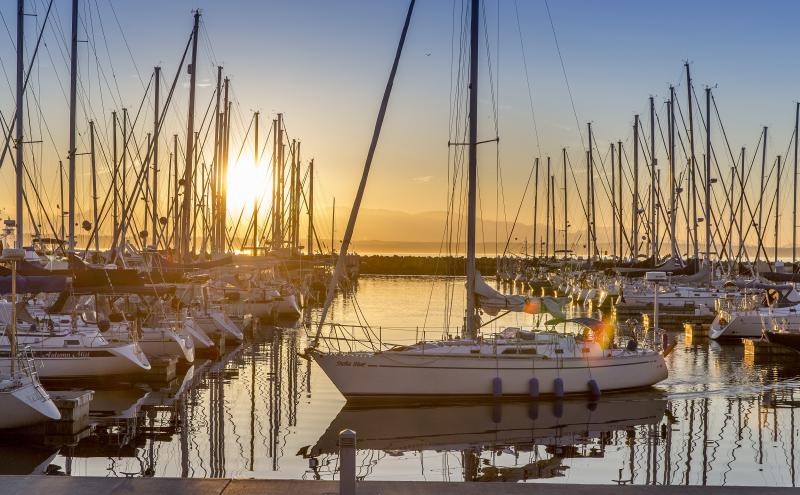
[26,404]
[393,374]
[750,324]
[170,345]
[85,362]
[161,342]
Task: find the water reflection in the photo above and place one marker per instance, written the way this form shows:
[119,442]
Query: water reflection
[537,435]
[264,412]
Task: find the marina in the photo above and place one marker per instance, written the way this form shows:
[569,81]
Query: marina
[724,417]
[610,307]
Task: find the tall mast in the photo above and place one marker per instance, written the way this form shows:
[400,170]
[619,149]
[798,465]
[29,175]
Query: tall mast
[297,195]
[547,213]
[146,190]
[223,189]
[760,229]
[673,210]
[340,261]
[692,178]
[61,197]
[195,191]
[470,324]
[114,175]
[20,171]
[255,199]
[290,224]
[275,184]
[707,213]
[732,219]
[613,208]
[73,81]
[589,194]
[619,164]
[635,209]
[124,194]
[188,173]
[794,188]
[310,248]
[654,186]
[216,235]
[175,206]
[278,213]
[566,221]
[156,118]
[535,205]
[95,217]
[553,212]
[777,206]
[742,237]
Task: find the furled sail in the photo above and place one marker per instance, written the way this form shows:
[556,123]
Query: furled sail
[704,275]
[492,302]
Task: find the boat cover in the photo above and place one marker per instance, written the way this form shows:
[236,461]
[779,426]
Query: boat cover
[34,284]
[492,301]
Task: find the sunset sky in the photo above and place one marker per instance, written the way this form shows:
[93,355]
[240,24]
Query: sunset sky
[324,64]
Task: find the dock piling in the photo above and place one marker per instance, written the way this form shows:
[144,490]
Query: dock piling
[347,462]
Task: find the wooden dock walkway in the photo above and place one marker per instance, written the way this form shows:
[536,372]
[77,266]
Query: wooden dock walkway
[57,485]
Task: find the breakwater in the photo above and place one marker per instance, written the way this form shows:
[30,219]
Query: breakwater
[423,265]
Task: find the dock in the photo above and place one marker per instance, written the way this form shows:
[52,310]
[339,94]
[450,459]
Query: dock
[70,429]
[670,318]
[696,331]
[56,485]
[761,348]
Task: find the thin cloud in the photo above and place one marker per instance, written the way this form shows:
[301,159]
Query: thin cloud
[422,179]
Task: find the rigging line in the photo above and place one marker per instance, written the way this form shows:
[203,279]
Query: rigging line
[524,193]
[117,103]
[527,80]
[495,100]
[750,168]
[24,194]
[564,71]
[162,118]
[362,185]
[25,84]
[494,97]
[125,40]
[719,172]
[577,187]
[769,176]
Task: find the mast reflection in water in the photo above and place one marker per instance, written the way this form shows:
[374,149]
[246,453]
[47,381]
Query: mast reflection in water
[262,411]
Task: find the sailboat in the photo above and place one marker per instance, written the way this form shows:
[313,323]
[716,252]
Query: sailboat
[23,400]
[515,362]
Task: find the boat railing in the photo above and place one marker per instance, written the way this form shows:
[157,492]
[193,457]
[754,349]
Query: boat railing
[748,302]
[351,338]
[27,363]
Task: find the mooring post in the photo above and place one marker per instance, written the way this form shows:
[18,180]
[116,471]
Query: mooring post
[347,462]
[655,277]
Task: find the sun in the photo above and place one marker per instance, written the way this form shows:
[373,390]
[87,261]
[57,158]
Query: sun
[246,182]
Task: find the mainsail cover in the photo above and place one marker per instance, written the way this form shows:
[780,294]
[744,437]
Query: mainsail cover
[33,284]
[492,301]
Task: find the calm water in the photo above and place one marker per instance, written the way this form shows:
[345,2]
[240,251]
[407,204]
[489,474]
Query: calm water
[264,412]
